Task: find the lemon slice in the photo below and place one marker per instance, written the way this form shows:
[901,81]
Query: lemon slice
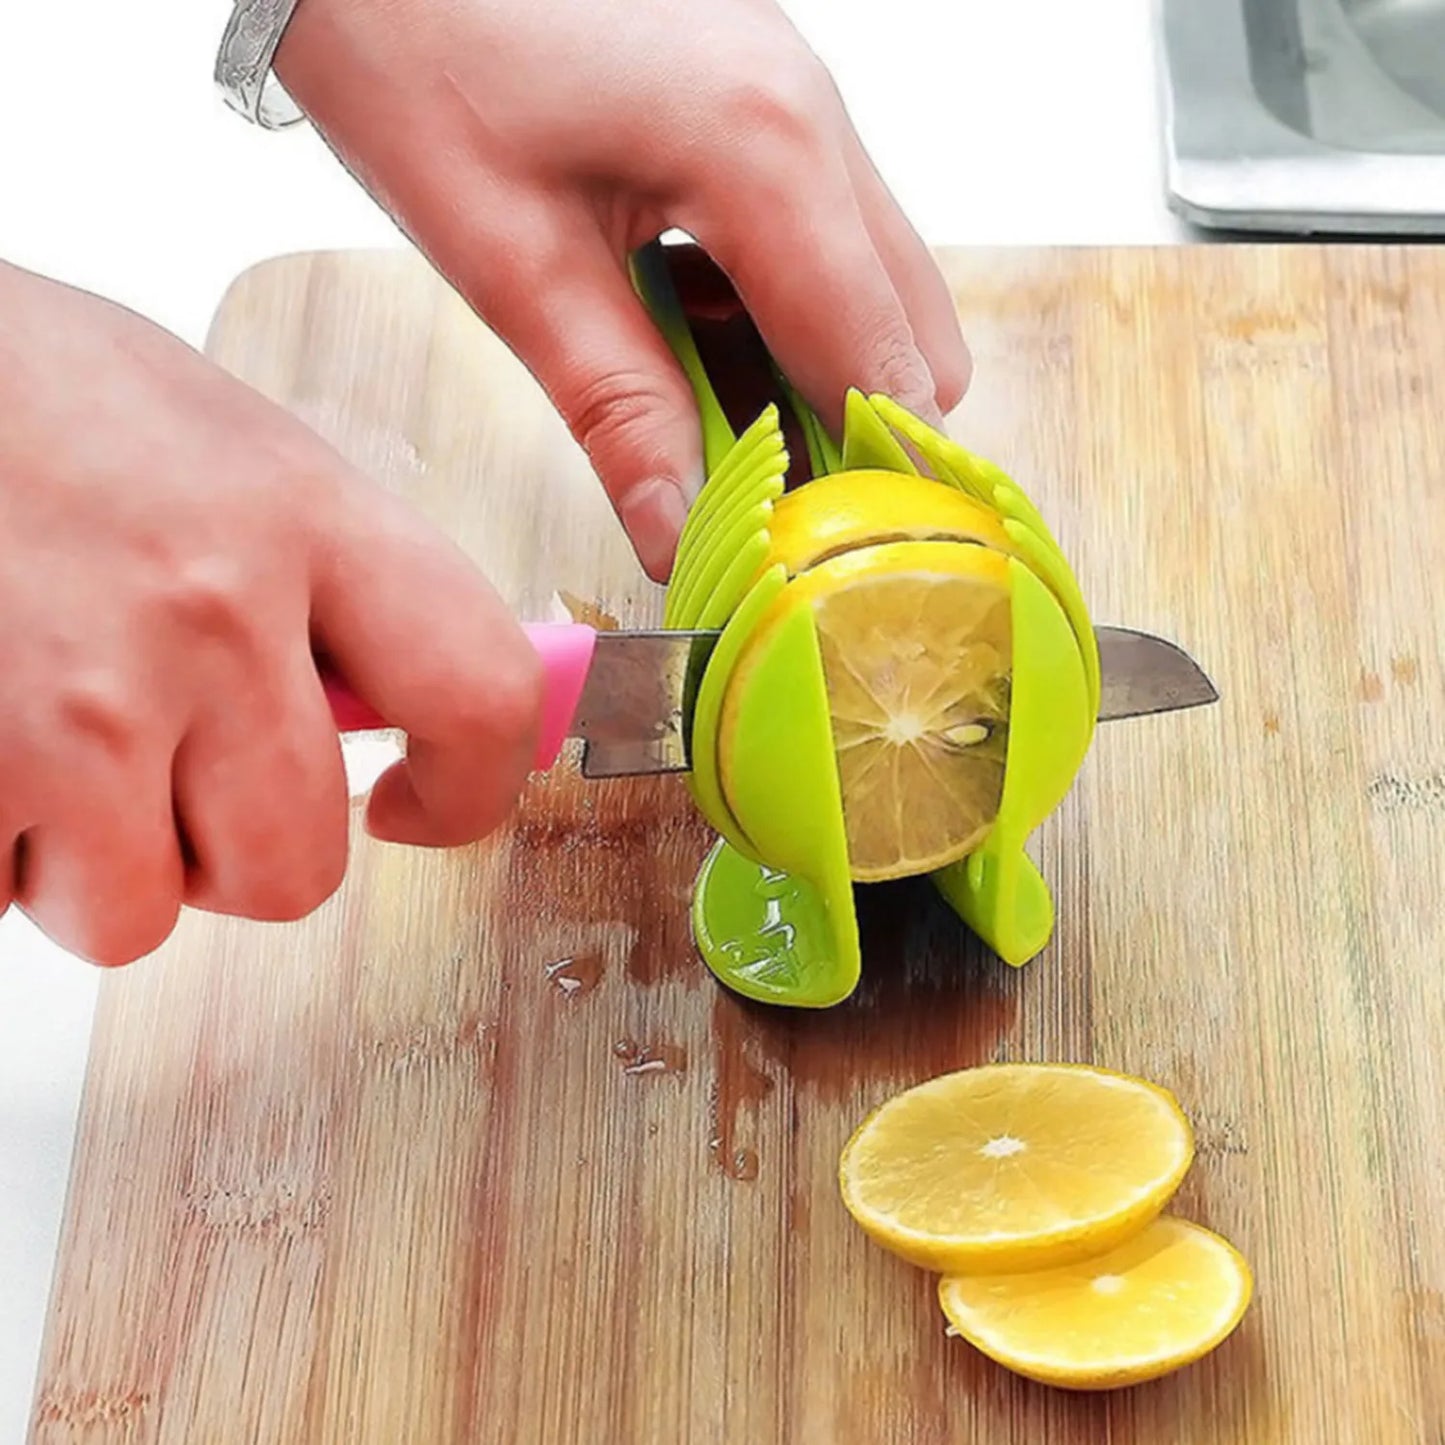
[847,510]
[1015,1166]
[1160,1301]
[916,644]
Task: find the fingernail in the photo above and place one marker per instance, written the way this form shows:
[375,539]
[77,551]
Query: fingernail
[931,413]
[928,409]
[653,514]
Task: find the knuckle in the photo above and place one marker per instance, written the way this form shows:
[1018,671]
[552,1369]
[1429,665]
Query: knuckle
[618,409]
[96,711]
[781,103]
[210,597]
[897,366]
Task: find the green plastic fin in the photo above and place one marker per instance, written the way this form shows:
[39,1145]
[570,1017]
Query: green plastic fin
[762,485]
[703,780]
[1011,499]
[752,496]
[998,891]
[934,448]
[974,474]
[729,590]
[1004,899]
[867,442]
[717,557]
[752,513]
[753,472]
[824,458]
[1045,561]
[760,451]
[1022,521]
[765,934]
[759,456]
[783,773]
[653,283]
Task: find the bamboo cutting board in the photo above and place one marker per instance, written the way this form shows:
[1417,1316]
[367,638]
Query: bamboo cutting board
[480,1153]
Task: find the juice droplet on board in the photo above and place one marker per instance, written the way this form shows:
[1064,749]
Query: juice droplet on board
[646,1059]
[575,976]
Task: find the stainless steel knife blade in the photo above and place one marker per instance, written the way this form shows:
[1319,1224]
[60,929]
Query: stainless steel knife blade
[636,700]
[639,694]
[1144,674]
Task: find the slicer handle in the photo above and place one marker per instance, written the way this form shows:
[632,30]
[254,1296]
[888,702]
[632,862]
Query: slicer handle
[566,650]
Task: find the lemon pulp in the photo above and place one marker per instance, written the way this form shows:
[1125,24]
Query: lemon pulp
[1015,1166]
[916,646]
[1159,1301]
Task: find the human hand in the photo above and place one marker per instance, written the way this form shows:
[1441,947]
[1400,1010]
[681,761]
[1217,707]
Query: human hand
[529,146]
[175,548]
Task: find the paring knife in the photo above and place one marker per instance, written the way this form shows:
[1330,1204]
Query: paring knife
[628,694]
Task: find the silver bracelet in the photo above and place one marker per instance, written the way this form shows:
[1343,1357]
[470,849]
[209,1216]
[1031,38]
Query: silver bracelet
[243,63]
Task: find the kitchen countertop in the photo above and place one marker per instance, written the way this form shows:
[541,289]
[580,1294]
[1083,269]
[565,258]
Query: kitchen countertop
[121,171]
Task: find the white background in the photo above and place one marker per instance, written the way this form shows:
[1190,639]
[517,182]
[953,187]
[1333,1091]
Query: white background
[995,121]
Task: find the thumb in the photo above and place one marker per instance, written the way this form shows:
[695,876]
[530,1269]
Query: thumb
[579,328]
[420,635]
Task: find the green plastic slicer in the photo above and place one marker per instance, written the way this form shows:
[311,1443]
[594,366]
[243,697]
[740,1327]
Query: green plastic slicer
[773,910]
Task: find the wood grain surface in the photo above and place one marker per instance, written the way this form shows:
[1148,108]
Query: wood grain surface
[480,1153]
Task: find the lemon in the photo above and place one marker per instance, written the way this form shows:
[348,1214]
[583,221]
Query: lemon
[838,513]
[1161,1300]
[915,639]
[1015,1166]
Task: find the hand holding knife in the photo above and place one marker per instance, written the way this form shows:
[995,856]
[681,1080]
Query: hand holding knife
[627,694]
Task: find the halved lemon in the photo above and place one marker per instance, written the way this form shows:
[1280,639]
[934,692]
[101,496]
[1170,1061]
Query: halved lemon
[916,645]
[1161,1300]
[839,513]
[1015,1166]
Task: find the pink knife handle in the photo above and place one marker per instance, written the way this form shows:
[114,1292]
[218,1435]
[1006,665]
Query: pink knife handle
[566,650]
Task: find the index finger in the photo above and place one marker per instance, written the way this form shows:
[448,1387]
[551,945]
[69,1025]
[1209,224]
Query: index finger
[815,286]
[920,284]
[419,633]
